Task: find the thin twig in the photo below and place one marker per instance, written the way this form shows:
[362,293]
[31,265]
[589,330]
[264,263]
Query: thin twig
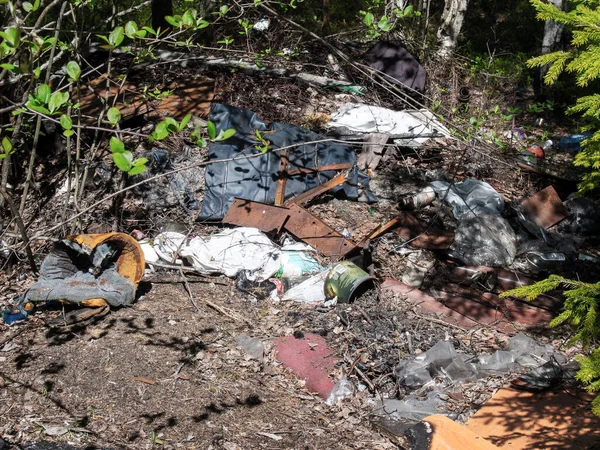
[359,373]
[188,289]
[21,226]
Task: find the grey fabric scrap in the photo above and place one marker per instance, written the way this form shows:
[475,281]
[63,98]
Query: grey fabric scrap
[110,286]
[67,274]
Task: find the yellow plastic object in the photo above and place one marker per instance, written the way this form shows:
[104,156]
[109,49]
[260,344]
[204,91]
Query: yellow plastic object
[131,262]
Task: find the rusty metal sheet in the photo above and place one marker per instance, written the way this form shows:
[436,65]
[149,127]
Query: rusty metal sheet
[282,181]
[545,208]
[381,229]
[422,235]
[247,213]
[340,178]
[317,233]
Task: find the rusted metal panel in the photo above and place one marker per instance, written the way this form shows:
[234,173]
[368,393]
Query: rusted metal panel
[545,208]
[247,213]
[317,233]
[422,235]
[283,176]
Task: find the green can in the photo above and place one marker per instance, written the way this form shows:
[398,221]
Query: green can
[347,281]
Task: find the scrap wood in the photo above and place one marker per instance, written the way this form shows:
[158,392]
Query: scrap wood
[545,208]
[372,151]
[314,192]
[144,380]
[295,219]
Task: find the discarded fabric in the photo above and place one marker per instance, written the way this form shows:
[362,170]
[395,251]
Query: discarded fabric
[410,128]
[90,267]
[397,65]
[251,174]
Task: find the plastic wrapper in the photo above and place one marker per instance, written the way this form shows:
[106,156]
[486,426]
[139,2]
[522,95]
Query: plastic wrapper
[470,197]
[343,388]
[486,240]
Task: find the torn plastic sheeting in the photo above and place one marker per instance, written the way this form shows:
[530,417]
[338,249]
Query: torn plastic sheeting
[256,178]
[411,407]
[485,240]
[68,273]
[412,127]
[470,197]
[175,188]
[311,290]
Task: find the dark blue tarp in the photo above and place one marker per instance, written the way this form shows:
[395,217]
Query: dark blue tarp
[256,178]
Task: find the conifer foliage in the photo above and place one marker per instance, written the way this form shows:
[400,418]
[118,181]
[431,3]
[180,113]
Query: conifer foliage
[581,310]
[583,60]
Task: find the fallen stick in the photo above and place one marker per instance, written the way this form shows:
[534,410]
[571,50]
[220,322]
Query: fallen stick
[359,373]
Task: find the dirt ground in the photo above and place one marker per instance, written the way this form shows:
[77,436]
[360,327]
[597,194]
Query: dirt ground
[163,374]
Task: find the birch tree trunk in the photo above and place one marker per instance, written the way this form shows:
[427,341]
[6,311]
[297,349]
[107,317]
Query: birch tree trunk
[452,22]
[552,35]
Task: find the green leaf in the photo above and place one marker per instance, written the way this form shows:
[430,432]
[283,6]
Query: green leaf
[173,21]
[227,133]
[114,115]
[7,146]
[12,36]
[66,122]
[43,93]
[185,121]
[57,99]
[369,19]
[68,133]
[187,19]
[73,70]
[131,29]
[211,129]
[136,170]
[37,72]
[28,7]
[160,132]
[9,67]
[172,125]
[116,36]
[121,161]
[116,145]
[104,38]
[201,24]
[140,162]
[141,34]
[38,108]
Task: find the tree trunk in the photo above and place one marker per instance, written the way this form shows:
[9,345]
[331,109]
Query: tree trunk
[452,22]
[160,9]
[552,35]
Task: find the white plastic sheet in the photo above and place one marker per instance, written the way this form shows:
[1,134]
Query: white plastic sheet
[375,119]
